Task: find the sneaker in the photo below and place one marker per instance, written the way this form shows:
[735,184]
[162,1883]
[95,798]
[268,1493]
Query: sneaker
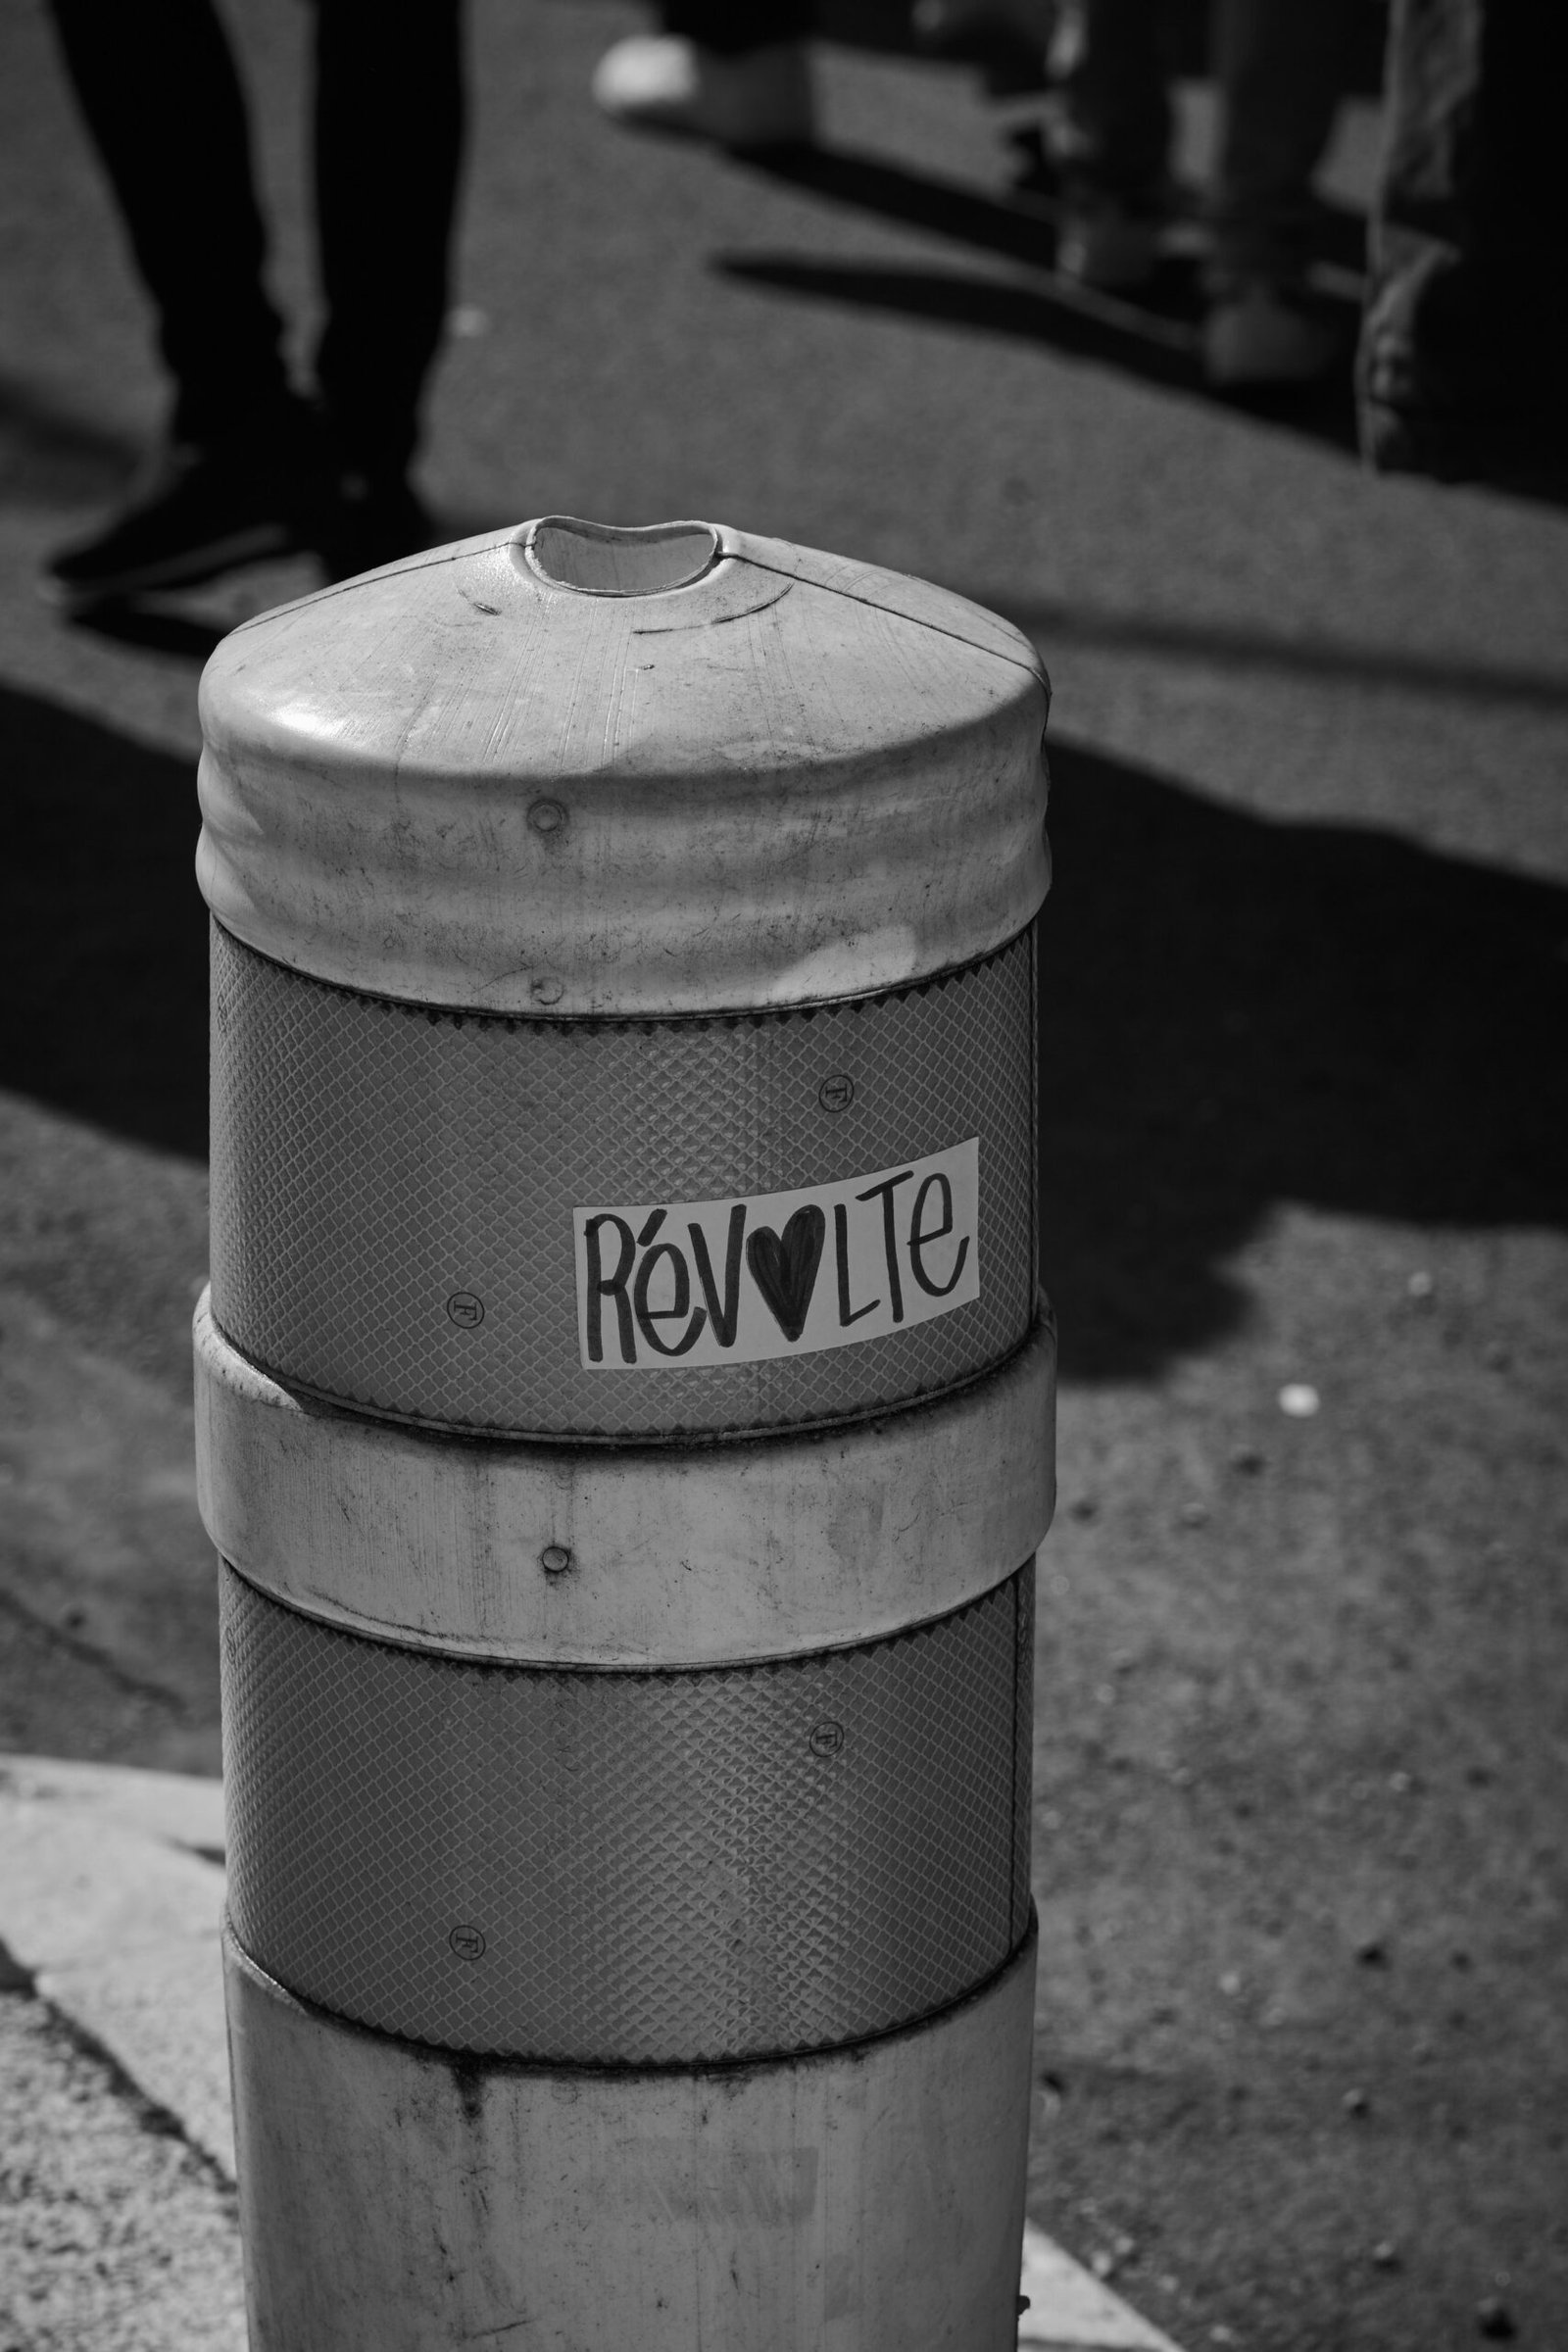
[1500,423]
[662,82]
[373,522]
[201,510]
[1256,335]
[1525,453]
[1105,243]
[1007,39]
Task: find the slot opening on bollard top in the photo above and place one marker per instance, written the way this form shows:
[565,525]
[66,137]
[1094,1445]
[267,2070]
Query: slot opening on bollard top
[601,558]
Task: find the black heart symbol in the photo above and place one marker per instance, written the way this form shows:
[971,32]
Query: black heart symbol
[784,1269]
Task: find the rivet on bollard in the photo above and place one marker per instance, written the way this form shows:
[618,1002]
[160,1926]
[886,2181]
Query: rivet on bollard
[554,1560]
[546,817]
[466,1309]
[546,990]
[468,1942]
[836,1093]
[827,1738]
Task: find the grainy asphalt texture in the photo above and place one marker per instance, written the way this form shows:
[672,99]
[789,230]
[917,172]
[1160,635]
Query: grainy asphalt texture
[114,2235]
[1302,2073]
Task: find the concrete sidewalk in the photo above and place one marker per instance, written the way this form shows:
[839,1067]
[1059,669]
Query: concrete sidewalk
[111,1890]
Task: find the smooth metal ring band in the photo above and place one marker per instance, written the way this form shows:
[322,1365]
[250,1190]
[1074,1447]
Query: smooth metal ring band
[636,1555]
[633,1868]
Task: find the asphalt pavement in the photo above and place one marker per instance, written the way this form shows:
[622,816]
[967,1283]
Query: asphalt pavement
[1302,2059]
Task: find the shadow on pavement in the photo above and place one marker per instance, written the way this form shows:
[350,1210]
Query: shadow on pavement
[104,938]
[1235,1014]
[1154,335]
[152,628]
[52,454]
[1438,676]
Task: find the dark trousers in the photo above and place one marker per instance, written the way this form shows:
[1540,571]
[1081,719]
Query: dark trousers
[1467,313]
[1281,68]
[732,27]
[157,83]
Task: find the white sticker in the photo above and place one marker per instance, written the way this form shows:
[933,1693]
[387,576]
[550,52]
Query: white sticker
[735,1282]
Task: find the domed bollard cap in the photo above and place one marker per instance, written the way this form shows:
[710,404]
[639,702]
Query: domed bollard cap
[565,769]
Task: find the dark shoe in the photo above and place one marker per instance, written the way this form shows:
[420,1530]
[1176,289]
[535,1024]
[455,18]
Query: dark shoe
[1258,336]
[1527,454]
[201,510]
[1007,39]
[373,522]
[1107,245]
[1502,419]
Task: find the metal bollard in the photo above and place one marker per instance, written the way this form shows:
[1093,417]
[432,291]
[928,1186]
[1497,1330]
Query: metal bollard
[625,1419]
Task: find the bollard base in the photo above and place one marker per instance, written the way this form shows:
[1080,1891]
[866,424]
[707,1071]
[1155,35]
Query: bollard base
[394,2198]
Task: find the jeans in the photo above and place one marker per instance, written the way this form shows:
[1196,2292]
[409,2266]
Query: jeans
[1467,309]
[1280,65]
[157,84]
[732,27]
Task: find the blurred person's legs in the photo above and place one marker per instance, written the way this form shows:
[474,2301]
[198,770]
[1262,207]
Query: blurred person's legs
[1280,67]
[1463,363]
[249,469]
[738,74]
[388,148]
[1109,137]
[241,473]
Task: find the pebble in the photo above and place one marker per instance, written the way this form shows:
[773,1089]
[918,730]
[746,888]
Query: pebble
[1494,2319]
[1372,1952]
[1230,1984]
[1386,2254]
[1299,1399]
[1195,1514]
[1356,2103]
[1420,1286]
[1246,1459]
[1083,1506]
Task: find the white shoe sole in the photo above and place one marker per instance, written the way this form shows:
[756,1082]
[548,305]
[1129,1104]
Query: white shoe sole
[661,82]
